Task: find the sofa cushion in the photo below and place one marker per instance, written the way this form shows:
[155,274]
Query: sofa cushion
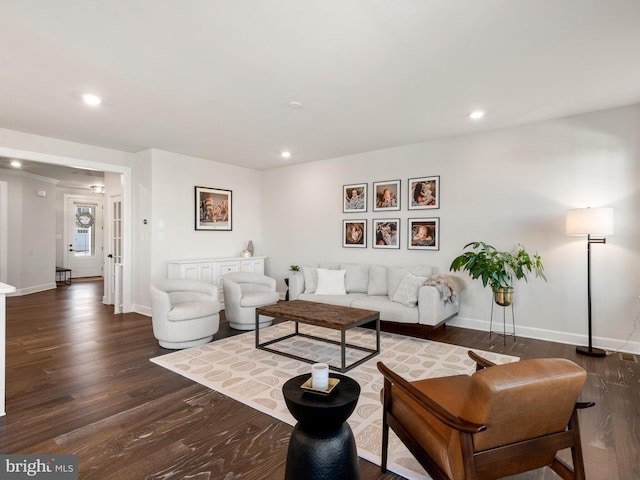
[331,282]
[395,274]
[407,292]
[192,310]
[310,279]
[377,280]
[341,300]
[389,311]
[356,277]
[259,299]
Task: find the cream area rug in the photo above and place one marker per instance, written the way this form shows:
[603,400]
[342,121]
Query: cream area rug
[234,367]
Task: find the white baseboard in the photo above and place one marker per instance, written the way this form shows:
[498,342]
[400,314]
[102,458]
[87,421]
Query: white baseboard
[142,310]
[609,344]
[35,289]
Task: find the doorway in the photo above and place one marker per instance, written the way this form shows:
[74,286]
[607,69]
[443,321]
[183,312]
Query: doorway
[83,234]
[125,189]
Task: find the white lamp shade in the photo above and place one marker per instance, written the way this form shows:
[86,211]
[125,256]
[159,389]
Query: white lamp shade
[590,221]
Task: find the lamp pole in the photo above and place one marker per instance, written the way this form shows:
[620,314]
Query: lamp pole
[590,351]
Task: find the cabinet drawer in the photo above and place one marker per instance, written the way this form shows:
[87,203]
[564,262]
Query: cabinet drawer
[228,268]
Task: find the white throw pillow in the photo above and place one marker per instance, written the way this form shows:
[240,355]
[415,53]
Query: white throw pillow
[407,292]
[310,279]
[396,274]
[331,282]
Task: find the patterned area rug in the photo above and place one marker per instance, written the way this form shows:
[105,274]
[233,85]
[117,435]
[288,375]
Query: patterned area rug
[234,367]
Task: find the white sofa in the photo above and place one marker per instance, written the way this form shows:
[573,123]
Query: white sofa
[386,289]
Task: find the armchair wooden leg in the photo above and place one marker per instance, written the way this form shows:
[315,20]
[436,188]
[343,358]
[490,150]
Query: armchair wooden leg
[561,468]
[385,443]
[576,451]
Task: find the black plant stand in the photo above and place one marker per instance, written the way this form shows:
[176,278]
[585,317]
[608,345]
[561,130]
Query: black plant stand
[504,323]
[322,446]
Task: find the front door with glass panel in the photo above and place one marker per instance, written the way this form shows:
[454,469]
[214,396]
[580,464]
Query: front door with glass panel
[84,236]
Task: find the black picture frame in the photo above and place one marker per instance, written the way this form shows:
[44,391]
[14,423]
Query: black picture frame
[386,195]
[354,233]
[385,233]
[423,193]
[423,233]
[213,209]
[354,198]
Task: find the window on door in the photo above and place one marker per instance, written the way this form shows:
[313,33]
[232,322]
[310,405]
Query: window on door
[85,231]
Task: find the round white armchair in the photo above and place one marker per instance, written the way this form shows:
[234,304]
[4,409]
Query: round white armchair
[243,292]
[185,312]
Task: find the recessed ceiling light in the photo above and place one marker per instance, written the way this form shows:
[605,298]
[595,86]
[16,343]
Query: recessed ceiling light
[91,99]
[476,115]
[295,104]
[16,164]
[285,154]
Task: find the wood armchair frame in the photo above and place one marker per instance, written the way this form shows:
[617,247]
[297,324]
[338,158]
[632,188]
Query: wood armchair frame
[477,465]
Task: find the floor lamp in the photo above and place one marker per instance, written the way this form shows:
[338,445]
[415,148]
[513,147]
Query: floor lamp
[590,222]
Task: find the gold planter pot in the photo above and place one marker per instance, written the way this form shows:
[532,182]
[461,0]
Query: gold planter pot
[503,296]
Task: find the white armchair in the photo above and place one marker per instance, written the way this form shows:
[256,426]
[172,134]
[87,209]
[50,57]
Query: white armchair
[243,292]
[185,312]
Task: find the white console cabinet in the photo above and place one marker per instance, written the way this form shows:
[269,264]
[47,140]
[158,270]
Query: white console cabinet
[212,269]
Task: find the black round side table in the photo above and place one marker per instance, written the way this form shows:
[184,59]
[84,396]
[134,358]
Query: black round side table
[322,446]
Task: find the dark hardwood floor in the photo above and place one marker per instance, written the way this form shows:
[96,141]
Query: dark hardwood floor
[79,381]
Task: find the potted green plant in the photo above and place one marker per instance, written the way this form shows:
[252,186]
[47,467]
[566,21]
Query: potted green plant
[294,268]
[498,269]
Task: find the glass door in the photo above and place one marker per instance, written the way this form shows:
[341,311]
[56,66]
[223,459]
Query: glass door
[84,237]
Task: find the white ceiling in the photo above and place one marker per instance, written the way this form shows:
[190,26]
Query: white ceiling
[213,78]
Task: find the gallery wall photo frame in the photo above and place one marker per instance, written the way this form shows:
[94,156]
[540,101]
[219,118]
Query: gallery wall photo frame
[424,193]
[354,198]
[386,195]
[354,233]
[423,233]
[213,209]
[385,233]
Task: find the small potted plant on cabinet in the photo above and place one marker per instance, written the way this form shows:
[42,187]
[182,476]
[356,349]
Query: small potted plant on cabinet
[294,269]
[498,269]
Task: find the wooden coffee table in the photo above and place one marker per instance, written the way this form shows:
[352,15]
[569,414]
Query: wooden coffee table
[334,317]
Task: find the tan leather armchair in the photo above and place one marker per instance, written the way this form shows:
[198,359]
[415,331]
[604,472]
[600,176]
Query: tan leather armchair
[502,420]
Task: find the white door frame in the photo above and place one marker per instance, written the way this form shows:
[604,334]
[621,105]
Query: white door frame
[111,257]
[69,220]
[127,209]
[4,214]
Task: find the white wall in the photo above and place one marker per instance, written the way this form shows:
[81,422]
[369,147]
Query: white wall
[31,224]
[173,179]
[502,187]
[142,231]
